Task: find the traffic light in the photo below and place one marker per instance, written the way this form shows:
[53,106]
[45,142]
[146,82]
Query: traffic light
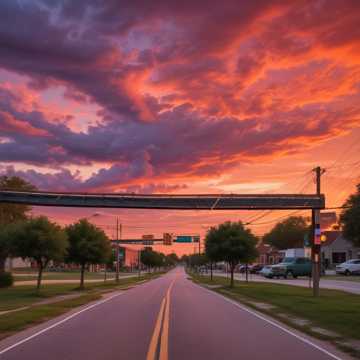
[167,239]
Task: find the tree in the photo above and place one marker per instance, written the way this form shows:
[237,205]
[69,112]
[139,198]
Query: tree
[172,259]
[7,236]
[288,233]
[149,258]
[10,214]
[42,241]
[350,218]
[212,250]
[87,245]
[233,243]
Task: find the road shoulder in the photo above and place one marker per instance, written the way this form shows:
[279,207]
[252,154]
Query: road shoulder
[329,340]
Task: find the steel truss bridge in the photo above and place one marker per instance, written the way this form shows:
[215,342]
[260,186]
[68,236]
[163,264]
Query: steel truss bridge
[170,202]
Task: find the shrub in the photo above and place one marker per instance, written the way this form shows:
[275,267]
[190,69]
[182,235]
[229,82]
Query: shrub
[6,279]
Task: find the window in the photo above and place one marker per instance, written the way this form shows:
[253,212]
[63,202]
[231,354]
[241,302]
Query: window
[338,257]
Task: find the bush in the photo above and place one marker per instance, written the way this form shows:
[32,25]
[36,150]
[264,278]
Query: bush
[6,279]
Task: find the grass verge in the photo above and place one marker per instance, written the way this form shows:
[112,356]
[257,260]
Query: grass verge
[25,295]
[334,316]
[35,314]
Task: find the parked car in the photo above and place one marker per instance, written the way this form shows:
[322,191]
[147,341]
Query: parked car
[266,271]
[242,268]
[292,267]
[350,267]
[255,269]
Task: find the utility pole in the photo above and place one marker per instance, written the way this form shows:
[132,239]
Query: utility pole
[316,237]
[139,262]
[117,250]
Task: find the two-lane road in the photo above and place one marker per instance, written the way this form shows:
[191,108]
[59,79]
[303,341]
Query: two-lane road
[166,318]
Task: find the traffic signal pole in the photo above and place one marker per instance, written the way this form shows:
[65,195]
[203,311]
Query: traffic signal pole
[316,238]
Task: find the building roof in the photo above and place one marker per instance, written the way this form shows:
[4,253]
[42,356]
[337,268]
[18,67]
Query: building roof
[331,236]
[264,248]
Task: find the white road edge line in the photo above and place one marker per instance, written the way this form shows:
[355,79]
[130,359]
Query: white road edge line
[58,323]
[272,323]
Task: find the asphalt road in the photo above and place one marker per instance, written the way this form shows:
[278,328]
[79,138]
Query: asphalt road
[166,318]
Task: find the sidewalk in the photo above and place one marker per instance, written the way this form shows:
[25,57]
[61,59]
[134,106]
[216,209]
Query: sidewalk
[347,286]
[69,281]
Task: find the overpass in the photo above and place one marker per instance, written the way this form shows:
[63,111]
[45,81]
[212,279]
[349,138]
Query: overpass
[163,201]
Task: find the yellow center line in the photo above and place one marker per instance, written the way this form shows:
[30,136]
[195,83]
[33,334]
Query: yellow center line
[155,336]
[164,313]
[164,343]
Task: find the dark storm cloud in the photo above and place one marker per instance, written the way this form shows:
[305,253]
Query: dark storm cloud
[184,88]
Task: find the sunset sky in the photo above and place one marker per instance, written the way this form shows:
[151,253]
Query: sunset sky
[180,97]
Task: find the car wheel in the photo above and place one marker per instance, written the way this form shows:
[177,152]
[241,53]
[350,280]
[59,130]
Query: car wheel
[347,272]
[289,274]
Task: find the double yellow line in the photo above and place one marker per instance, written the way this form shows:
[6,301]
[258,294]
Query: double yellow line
[161,330]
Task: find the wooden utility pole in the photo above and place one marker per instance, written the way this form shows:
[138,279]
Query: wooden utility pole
[117,251]
[139,262]
[316,237]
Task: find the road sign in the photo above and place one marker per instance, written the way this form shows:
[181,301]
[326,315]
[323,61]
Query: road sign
[148,237]
[148,242]
[184,239]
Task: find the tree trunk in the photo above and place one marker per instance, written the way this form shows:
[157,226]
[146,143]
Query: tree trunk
[40,265]
[232,268]
[105,273]
[82,276]
[211,271]
[2,264]
[247,272]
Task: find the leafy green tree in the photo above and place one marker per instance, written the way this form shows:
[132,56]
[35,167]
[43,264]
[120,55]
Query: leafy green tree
[41,241]
[233,243]
[87,245]
[288,233]
[350,218]
[185,259]
[10,214]
[197,260]
[148,258]
[212,250]
[8,233]
[172,259]
[5,245]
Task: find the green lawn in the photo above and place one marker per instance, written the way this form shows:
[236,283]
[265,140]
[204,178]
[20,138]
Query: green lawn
[19,320]
[336,311]
[19,296]
[62,276]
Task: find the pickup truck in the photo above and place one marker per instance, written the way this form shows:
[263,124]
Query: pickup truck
[291,267]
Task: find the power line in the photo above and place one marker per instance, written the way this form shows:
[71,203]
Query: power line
[278,218]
